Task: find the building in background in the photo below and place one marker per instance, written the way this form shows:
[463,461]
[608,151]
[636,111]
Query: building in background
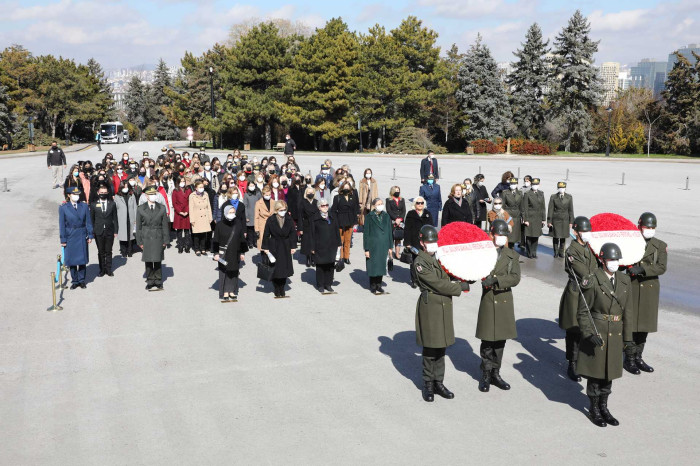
[624,81]
[687,52]
[649,74]
[609,74]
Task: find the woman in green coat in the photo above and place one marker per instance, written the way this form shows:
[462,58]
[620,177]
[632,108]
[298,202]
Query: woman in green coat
[512,198]
[378,243]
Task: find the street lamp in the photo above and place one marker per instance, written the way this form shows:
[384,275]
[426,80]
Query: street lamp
[211,93]
[607,145]
[359,127]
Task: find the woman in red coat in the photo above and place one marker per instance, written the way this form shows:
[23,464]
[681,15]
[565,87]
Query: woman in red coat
[181,220]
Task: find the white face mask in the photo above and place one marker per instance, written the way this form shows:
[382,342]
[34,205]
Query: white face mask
[501,241]
[207,167]
[266,197]
[200,190]
[282,213]
[368,175]
[535,187]
[612,266]
[275,185]
[231,215]
[234,196]
[648,233]
[527,184]
[260,179]
[561,190]
[379,207]
[125,190]
[251,187]
[152,197]
[182,185]
[480,183]
[75,197]
[513,187]
[242,178]
[586,236]
[132,182]
[431,247]
[497,207]
[321,187]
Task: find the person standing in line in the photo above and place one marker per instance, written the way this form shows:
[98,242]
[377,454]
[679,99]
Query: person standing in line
[324,236]
[496,320]
[534,215]
[430,191]
[378,244]
[289,145]
[250,198]
[98,140]
[229,247]
[482,195]
[368,192]
[456,208]
[527,186]
[263,211]
[152,236]
[560,217]
[308,210]
[75,229]
[498,212]
[396,208]
[512,199]
[416,218]
[181,220]
[429,166]
[472,199]
[200,217]
[125,201]
[105,224]
[345,211]
[504,185]
[56,162]
[279,240]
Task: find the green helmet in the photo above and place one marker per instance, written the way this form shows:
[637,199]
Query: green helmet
[648,220]
[610,251]
[428,234]
[582,224]
[499,227]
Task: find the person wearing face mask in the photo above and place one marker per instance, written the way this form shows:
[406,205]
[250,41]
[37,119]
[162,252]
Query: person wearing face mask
[325,174]
[504,185]
[534,216]
[645,294]
[527,186]
[496,319]
[378,243]
[229,244]
[322,190]
[430,191]
[429,166]
[345,211]
[368,191]
[105,224]
[498,213]
[482,196]
[512,199]
[416,218]
[276,188]
[181,221]
[434,319]
[263,211]
[152,236]
[75,231]
[95,182]
[470,196]
[279,240]
[456,208]
[250,198]
[560,217]
[604,316]
[117,178]
[73,181]
[56,162]
[200,215]
[289,145]
[165,187]
[295,196]
[126,218]
[323,234]
[308,208]
[396,208]
[211,177]
[220,199]
[580,264]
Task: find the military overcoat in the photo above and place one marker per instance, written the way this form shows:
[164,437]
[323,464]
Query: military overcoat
[581,262]
[645,288]
[560,214]
[534,211]
[496,320]
[152,231]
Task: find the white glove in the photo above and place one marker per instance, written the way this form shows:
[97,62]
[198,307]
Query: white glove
[271,257]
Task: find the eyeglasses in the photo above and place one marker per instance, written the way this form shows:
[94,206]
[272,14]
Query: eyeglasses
[419,203]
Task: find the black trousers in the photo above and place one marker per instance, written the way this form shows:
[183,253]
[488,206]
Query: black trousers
[77,274]
[532,243]
[375,282]
[279,284]
[200,241]
[104,251]
[491,354]
[640,339]
[228,282]
[324,275]
[125,247]
[433,364]
[598,387]
[251,237]
[154,274]
[184,239]
[572,340]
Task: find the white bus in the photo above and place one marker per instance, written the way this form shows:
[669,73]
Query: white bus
[112,131]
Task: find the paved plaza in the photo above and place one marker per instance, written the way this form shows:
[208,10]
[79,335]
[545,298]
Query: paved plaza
[123,376]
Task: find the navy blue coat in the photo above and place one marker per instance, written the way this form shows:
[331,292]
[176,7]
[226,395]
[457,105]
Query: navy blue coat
[432,196]
[75,227]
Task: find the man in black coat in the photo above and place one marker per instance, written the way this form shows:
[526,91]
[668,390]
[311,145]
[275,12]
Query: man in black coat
[56,162]
[429,166]
[325,237]
[289,145]
[103,213]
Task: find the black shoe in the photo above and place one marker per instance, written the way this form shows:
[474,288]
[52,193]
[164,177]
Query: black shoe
[594,413]
[330,290]
[197,253]
[428,392]
[160,287]
[74,286]
[641,365]
[320,289]
[441,390]
[283,293]
[130,254]
[630,365]
[83,285]
[347,261]
[380,290]
[485,382]
[101,274]
[187,250]
[498,381]
[110,274]
[308,261]
[413,284]
[179,250]
[148,287]
[603,406]
[571,372]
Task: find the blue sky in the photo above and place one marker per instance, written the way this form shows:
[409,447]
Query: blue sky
[122,33]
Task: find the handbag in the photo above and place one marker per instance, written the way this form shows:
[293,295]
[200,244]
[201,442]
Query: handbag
[390,264]
[339,265]
[406,256]
[265,271]
[398,234]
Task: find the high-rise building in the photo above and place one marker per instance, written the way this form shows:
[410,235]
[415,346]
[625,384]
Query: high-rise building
[687,52]
[649,74]
[609,75]
[623,81]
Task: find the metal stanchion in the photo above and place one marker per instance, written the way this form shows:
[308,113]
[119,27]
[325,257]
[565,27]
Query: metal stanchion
[567,175]
[687,183]
[623,178]
[55,306]
[4,185]
[393,177]
[518,173]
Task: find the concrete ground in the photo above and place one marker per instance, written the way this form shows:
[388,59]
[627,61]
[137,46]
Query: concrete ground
[123,376]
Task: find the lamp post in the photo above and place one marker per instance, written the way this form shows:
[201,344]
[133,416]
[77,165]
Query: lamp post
[359,127]
[211,93]
[607,145]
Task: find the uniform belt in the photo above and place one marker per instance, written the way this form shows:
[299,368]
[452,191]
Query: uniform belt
[607,317]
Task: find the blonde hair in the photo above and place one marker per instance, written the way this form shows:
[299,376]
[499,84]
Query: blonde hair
[279,205]
[454,189]
[309,190]
[393,189]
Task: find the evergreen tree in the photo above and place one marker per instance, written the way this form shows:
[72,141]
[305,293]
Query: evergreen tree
[529,81]
[103,102]
[682,106]
[159,102]
[446,117]
[577,90]
[481,95]
[136,104]
[7,118]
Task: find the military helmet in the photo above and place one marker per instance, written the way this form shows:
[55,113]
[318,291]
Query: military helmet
[648,220]
[428,234]
[610,251]
[499,227]
[581,224]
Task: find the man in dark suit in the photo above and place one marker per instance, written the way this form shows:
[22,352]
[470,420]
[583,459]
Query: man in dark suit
[429,166]
[103,214]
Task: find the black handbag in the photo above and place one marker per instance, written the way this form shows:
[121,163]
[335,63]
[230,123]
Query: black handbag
[406,256]
[339,265]
[390,264]
[398,234]
[265,271]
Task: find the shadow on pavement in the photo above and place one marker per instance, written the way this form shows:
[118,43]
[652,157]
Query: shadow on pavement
[360,277]
[405,355]
[465,358]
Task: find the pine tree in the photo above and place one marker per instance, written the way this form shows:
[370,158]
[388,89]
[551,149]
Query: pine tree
[7,118]
[577,89]
[682,105]
[102,100]
[446,117]
[159,102]
[136,104]
[529,81]
[481,95]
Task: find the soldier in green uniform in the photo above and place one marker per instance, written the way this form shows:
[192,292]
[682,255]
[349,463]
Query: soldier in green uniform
[580,264]
[603,316]
[496,321]
[645,294]
[512,198]
[152,236]
[560,217]
[434,325]
[534,215]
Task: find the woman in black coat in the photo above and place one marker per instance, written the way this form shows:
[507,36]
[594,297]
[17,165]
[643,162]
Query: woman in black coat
[280,240]
[456,208]
[415,219]
[345,209]
[325,236]
[228,245]
[308,210]
[396,208]
[482,196]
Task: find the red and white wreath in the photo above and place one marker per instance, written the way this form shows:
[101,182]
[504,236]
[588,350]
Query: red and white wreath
[613,228]
[465,251]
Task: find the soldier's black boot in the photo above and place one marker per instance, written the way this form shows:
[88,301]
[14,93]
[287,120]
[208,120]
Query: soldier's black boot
[428,392]
[630,364]
[603,404]
[441,390]
[498,381]
[571,372]
[485,382]
[641,365]
[594,413]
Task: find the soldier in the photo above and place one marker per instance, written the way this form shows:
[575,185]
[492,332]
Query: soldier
[152,236]
[645,294]
[560,217]
[496,321]
[580,264]
[75,229]
[603,317]
[534,215]
[512,198]
[434,325]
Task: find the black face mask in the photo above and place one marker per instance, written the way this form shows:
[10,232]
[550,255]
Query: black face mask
[142,173]
[309,196]
[103,196]
[397,194]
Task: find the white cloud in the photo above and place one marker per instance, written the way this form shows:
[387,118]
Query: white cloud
[621,21]
[475,9]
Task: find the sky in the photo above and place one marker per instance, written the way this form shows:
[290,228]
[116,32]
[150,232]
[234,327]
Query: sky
[128,33]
